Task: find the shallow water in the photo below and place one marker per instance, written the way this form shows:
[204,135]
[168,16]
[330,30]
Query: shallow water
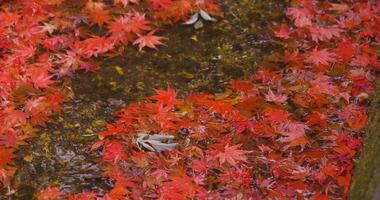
[192,60]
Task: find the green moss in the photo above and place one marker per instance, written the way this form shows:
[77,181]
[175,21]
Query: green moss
[366,180]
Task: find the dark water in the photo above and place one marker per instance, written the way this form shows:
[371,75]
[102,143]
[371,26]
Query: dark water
[193,60]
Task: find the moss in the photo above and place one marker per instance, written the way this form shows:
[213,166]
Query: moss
[366,180]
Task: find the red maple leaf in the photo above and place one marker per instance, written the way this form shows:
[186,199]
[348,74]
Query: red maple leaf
[57,42]
[125,2]
[50,193]
[355,116]
[294,133]
[239,85]
[361,60]
[148,40]
[127,24]
[232,155]
[8,138]
[158,4]
[40,78]
[321,57]
[180,187]
[166,98]
[345,50]
[98,13]
[6,156]
[277,99]
[54,101]
[52,2]
[323,84]
[276,115]
[14,117]
[113,152]
[8,18]
[282,32]
[84,196]
[96,45]
[301,16]
[322,34]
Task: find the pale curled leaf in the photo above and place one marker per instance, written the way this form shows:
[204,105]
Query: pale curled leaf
[206,16]
[195,17]
[192,20]
[155,142]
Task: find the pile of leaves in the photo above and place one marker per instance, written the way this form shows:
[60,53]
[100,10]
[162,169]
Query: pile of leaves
[43,42]
[290,131]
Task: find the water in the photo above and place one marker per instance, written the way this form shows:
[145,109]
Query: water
[192,60]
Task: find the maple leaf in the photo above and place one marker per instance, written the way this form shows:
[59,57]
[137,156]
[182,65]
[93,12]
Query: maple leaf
[113,152]
[8,138]
[98,13]
[321,57]
[96,45]
[120,190]
[221,107]
[160,4]
[8,18]
[301,16]
[361,60]
[341,8]
[53,2]
[276,115]
[278,99]
[317,119]
[243,86]
[6,156]
[355,116]
[57,42]
[323,84]
[126,2]
[24,51]
[322,34]
[6,171]
[166,98]
[232,155]
[111,130]
[54,101]
[178,11]
[126,24]
[345,50]
[71,61]
[282,32]
[148,40]
[199,165]
[84,196]
[180,187]
[50,193]
[14,118]
[294,132]
[40,78]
